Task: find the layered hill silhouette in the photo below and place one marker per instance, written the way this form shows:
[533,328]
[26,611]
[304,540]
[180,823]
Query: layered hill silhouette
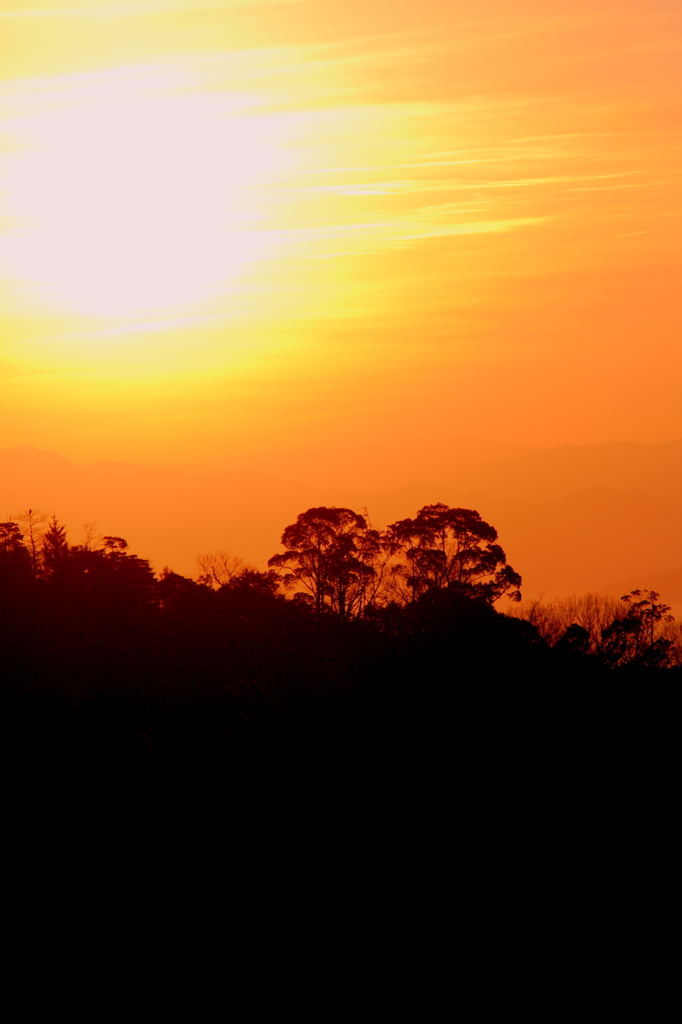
[569,518]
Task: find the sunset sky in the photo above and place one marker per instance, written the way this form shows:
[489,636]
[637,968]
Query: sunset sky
[338,236]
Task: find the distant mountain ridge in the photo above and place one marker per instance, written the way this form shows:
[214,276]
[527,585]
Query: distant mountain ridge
[667,584]
[522,471]
[569,518]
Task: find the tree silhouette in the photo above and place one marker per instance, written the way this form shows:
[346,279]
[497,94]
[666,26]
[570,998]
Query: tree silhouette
[14,556]
[593,612]
[55,549]
[218,568]
[107,581]
[17,583]
[450,547]
[637,640]
[33,522]
[329,553]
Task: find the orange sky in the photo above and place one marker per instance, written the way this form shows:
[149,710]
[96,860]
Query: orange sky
[338,233]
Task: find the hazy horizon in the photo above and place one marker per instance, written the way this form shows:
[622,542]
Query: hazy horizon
[569,519]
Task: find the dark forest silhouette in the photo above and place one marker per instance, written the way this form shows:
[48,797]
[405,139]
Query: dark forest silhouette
[349,640]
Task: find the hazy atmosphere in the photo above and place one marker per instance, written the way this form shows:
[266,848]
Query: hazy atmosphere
[346,253]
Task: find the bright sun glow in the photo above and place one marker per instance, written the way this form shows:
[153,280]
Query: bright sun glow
[352,227]
[130,195]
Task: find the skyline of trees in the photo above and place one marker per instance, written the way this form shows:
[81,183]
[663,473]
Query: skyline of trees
[334,563]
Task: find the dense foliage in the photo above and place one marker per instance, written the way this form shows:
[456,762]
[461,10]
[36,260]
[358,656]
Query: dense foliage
[349,637]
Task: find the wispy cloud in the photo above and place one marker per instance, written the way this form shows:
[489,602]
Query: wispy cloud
[415,185]
[397,233]
[96,9]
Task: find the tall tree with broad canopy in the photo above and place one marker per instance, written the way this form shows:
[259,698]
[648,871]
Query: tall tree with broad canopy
[329,552]
[450,547]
